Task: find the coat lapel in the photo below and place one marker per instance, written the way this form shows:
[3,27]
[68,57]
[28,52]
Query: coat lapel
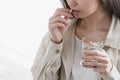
[68,51]
[113,37]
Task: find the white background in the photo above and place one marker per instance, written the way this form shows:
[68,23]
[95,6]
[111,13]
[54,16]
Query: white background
[22,26]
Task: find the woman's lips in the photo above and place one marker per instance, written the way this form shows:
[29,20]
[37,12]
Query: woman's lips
[75,11]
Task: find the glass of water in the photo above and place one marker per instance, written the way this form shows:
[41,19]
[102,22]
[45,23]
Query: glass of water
[91,43]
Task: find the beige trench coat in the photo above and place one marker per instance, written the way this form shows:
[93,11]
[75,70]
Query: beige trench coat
[54,61]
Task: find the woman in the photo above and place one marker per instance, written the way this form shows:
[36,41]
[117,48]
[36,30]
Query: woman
[58,56]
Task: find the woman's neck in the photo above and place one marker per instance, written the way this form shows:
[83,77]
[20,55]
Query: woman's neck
[99,20]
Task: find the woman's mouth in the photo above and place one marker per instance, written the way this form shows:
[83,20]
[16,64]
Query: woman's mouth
[75,11]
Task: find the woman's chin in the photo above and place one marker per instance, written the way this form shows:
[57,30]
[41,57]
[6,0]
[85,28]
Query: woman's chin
[80,16]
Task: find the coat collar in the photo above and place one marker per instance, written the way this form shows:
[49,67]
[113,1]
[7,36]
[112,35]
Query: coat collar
[113,37]
[112,40]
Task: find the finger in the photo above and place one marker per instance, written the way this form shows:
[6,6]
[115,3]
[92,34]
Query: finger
[64,15]
[59,19]
[58,24]
[96,58]
[89,63]
[63,12]
[98,67]
[92,63]
[95,53]
[101,70]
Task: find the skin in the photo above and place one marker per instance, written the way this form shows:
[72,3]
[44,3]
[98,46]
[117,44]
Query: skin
[94,20]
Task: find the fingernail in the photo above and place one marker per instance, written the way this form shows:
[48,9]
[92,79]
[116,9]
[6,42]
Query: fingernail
[72,16]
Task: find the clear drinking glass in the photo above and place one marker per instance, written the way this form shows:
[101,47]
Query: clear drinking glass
[91,43]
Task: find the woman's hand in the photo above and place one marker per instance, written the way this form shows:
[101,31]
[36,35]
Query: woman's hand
[100,61]
[58,24]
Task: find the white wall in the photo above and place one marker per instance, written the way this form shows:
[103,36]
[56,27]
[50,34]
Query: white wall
[22,26]
[23,23]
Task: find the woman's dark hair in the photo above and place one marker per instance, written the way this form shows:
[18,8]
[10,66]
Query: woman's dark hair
[112,6]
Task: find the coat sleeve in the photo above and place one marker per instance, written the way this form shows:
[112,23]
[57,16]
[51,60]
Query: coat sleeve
[47,61]
[115,72]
